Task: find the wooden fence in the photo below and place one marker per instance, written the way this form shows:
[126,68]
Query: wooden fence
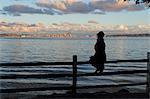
[74,75]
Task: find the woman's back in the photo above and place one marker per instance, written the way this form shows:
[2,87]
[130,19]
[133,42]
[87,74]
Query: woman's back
[99,57]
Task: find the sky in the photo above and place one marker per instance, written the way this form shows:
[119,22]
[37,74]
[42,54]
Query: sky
[105,12]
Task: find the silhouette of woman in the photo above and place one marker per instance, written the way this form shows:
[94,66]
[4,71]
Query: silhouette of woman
[99,57]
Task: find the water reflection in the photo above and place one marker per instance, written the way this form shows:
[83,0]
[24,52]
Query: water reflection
[30,50]
[127,47]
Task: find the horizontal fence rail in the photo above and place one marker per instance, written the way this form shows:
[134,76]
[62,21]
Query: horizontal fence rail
[66,63]
[14,90]
[107,86]
[74,75]
[14,76]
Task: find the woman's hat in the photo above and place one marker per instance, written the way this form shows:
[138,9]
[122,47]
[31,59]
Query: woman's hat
[100,34]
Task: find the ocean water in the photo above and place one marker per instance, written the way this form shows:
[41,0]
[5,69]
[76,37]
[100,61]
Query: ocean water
[52,50]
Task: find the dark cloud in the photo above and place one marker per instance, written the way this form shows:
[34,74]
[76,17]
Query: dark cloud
[108,6]
[114,6]
[14,9]
[93,22]
[44,5]
[16,14]
[50,7]
[135,8]
[94,6]
[67,7]
[79,7]
[72,6]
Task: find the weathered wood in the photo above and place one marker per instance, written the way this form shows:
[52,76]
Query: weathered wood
[148,74]
[14,90]
[106,86]
[36,63]
[66,63]
[116,61]
[74,75]
[114,73]
[42,76]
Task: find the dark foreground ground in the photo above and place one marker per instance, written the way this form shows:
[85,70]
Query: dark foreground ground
[101,95]
[122,94]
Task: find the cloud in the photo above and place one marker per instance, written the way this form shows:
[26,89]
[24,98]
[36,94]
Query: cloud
[115,5]
[66,6]
[73,27]
[93,22]
[97,11]
[43,1]
[52,7]
[79,7]
[93,6]
[108,5]
[135,8]
[17,9]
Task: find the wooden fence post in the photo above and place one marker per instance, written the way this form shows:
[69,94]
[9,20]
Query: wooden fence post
[148,74]
[74,75]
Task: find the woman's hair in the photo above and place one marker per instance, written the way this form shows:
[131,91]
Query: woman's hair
[100,34]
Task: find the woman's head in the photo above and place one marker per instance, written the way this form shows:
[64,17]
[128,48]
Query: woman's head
[100,34]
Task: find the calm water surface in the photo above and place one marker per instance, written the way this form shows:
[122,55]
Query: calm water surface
[48,50]
[31,50]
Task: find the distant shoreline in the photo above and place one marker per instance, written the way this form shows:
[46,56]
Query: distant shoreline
[64,37]
[129,35]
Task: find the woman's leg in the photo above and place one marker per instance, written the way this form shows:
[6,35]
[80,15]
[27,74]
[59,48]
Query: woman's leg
[99,68]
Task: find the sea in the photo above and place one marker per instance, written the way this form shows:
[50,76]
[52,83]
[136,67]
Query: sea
[15,50]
